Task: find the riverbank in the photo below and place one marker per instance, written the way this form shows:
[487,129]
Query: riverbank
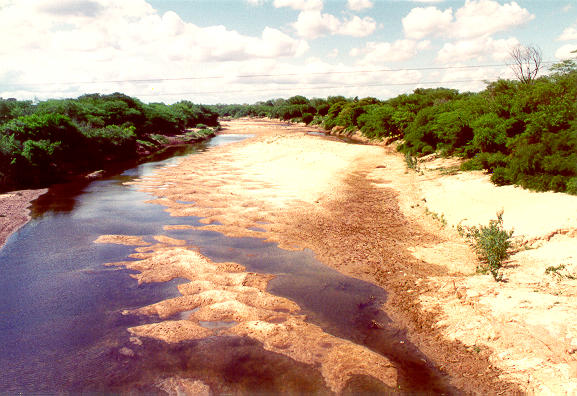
[525,325]
[14,205]
[14,211]
[361,212]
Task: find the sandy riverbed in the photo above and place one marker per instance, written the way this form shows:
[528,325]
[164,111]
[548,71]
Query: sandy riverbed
[363,214]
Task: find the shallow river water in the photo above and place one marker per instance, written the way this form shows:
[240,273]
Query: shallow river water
[61,327]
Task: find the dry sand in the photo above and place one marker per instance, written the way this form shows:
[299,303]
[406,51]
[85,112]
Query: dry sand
[529,322]
[363,214]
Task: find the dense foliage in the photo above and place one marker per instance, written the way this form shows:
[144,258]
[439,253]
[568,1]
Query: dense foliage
[521,132]
[42,143]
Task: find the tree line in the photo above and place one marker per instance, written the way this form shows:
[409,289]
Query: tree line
[522,132]
[44,142]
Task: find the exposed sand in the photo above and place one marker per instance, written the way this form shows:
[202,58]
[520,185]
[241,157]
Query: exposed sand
[14,211]
[235,302]
[362,213]
[529,322]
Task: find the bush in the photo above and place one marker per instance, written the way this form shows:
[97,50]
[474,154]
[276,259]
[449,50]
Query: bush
[491,243]
[572,186]
[501,176]
[112,140]
[307,118]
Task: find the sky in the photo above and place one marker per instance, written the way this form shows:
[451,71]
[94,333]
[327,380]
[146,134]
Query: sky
[244,51]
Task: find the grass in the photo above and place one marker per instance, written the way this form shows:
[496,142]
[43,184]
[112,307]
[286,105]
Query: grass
[440,218]
[412,162]
[559,271]
[492,243]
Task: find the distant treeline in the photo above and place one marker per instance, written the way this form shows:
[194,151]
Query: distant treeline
[44,142]
[523,133]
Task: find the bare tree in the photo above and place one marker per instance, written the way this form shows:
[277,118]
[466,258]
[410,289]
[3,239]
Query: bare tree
[526,62]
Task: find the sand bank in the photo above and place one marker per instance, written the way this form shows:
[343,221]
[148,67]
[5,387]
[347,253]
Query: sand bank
[14,211]
[529,323]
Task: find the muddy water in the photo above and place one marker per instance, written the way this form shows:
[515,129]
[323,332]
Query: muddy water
[61,327]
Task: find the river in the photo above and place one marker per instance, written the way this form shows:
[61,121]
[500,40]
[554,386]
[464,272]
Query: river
[61,322]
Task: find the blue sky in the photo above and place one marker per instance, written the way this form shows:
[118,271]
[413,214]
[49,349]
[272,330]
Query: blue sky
[243,51]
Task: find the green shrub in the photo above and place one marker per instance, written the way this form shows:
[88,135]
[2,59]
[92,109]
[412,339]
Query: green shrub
[491,243]
[501,176]
[112,140]
[159,138]
[472,164]
[307,118]
[572,186]
[412,162]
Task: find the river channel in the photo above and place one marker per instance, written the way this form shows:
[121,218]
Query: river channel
[61,322]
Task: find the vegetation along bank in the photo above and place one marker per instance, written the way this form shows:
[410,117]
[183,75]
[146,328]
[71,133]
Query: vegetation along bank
[522,132]
[46,142]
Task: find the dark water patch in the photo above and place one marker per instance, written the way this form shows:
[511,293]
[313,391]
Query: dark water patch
[229,365]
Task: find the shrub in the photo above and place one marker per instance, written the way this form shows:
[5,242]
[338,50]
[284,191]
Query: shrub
[491,243]
[159,138]
[112,140]
[412,162]
[307,118]
[572,186]
[501,176]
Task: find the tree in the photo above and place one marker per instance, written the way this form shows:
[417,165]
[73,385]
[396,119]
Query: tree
[526,62]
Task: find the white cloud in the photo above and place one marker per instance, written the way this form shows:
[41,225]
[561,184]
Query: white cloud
[566,52]
[96,40]
[313,24]
[357,27]
[478,49]
[359,5]
[378,53]
[474,19]
[422,22]
[569,33]
[301,5]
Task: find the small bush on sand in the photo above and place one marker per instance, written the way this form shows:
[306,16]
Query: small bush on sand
[412,162]
[492,244]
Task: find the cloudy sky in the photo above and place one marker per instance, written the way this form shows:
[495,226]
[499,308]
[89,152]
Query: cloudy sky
[242,51]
